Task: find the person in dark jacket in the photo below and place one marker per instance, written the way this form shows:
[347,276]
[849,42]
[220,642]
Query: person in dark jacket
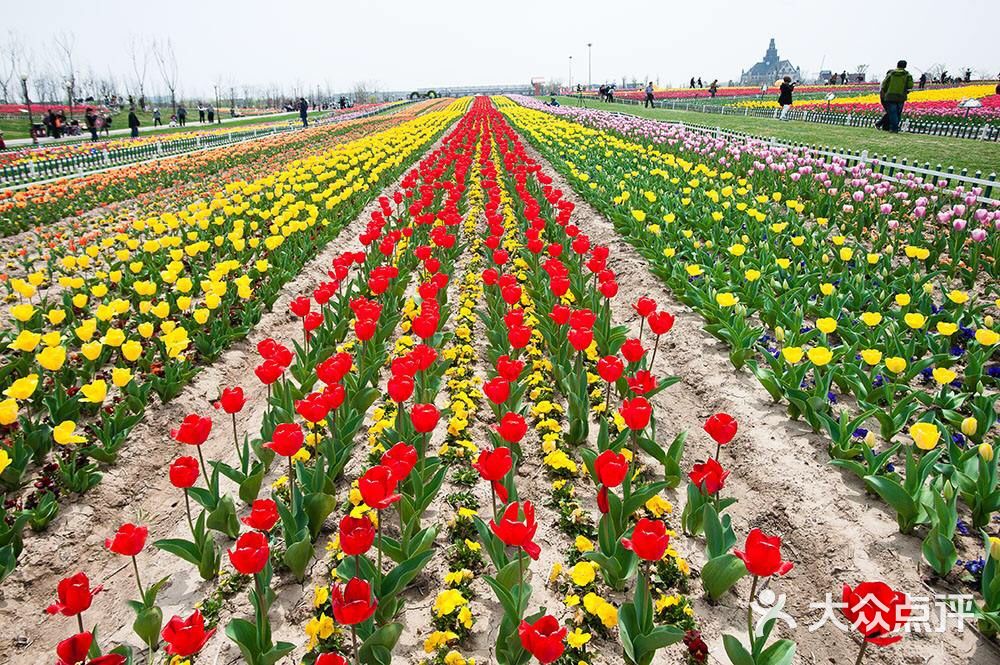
[923,80]
[649,96]
[182,114]
[91,119]
[785,96]
[895,87]
[304,111]
[133,123]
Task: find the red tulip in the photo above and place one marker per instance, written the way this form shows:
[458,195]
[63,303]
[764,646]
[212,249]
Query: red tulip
[378,487]
[611,468]
[876,611]
[642,382]
[580,338]
[660,322]
[424,417]
[74,649]
[287,439]
[312,321]
[400,459]
[609,288]
[356,535]
[649,539]
[709,477]
[582,318]
[334,368]
[493,466]
[282,356]
[194,430]
[517,533]
[75,596]
[128,540]
[313,407]
[636,412]
[186,637]
[268,372]
[424,356]
[267,348]
[560,314]
[352,603]
[231,400]
[184,472]
[250,554]
[300,306]
[400,387]
[632,350]
[519,336]
[512,427]
[509,369]
[763,555]
[644,306]
[610,368]
[497,389]
[263,515]
[721,427]
[543,639]
[330,658]
[364,329]
[333,396]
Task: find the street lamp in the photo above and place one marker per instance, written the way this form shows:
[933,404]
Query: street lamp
[27,100]
[590,82]
[571,75]
[69,96]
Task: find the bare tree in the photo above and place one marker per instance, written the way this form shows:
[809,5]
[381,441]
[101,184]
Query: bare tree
[138,53]
[65,43]
[10,59]
[166,61]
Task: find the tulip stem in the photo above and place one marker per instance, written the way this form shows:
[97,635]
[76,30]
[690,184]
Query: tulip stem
[520,586]
[656,346]
[236,440]
[204,469]
[142,593]
[187,509]
[354,642]
[642,321]
[493,490]
[378,568]
[607,400]
[753,596]
[718,449]
[79,622]
[861,654]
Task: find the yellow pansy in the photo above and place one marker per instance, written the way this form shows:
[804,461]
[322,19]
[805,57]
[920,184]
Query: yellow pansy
[577,639]
[582,573]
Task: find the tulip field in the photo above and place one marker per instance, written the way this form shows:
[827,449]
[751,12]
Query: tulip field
[481,380]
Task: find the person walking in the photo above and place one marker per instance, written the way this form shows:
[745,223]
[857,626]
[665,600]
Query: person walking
[201,113]
[699,83]
[182,114]
[895,87]
[692,81]
[210,110]
[304,111]
[133,123]
[91,120]
[157,121]
[923,81]
[649,96]
[108,119]
[785,96]
[713,88]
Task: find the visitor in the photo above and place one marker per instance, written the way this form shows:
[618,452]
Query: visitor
[923,81]
[304,111]
[58,122]
[91,120]
[692,81]
[210,111]
[173,119]
[133,122]
[554,102]
[157,121]
[108,119]
[182,114]
[785,96]
[49,121]
[201,113]
[3,145]
[713,88]
[611,93]
[699,83]
[649,96]
[843,77]
[895,87]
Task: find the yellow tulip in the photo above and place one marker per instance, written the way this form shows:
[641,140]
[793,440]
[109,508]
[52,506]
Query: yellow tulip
[871,356]
[91,350]
[792,354]
[895,364]
[986,452]
[871,319]
[826,325]
[943,375]
[8,414]
[969,426]
[946,328]
[726,299]
[131,350]
[94,392]
[114,337]
[22,388]
[925,435]
[52,358]
[65,433]
[902,299]
[25,341]
[915,320]
[987,337]
[820,356]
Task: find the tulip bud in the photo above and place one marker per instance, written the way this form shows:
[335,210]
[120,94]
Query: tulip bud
[986,452]
[995,548]
[779,334]
[870,439]
[825,258]
[948,491]
[969,426]
[988,320]
[928,287]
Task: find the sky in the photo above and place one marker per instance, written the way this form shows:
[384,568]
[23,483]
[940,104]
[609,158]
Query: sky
[396,45]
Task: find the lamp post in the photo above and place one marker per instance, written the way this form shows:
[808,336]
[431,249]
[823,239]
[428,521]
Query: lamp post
[27,101]
[590,82]
[571,75]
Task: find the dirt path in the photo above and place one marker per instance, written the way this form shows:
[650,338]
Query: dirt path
[831,529]
[137,489]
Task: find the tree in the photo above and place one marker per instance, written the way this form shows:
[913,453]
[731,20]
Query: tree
[10,59]
[166,61]
[65,43]
[139,55]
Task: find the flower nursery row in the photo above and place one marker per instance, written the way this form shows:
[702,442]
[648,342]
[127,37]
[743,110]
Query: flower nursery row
[738,91]
[472,336]
[42,204]
[857,328]
[137,311]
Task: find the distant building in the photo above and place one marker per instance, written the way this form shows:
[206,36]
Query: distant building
[770,69]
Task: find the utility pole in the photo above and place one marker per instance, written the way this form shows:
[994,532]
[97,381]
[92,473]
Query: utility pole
[571,75]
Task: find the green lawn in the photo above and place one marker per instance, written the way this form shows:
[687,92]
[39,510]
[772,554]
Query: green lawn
[937,150]
[18,129]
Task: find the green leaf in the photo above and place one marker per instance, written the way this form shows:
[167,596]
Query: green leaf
[721,573]
[737,653]
[779,653]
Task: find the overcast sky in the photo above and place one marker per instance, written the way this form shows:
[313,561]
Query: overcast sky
[399,45]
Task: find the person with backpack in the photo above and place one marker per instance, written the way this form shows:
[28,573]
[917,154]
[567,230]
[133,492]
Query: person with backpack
[785,96]
[895,87]
[304,111]
[649,96]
